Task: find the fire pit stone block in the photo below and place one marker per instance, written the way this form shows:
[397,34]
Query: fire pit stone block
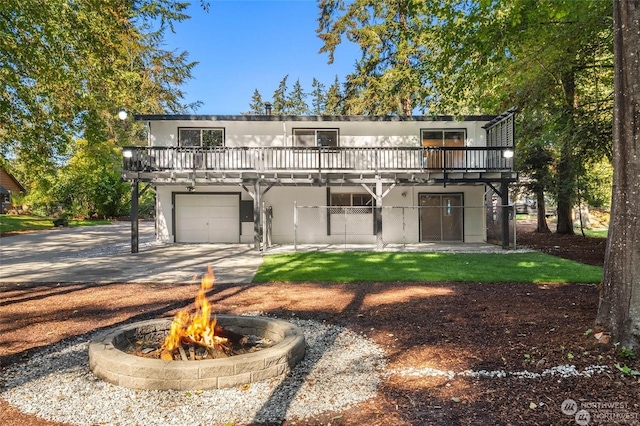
[108,361]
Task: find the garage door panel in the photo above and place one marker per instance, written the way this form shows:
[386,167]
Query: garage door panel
[209,218]
[193,236]
[223,231]
[194,223]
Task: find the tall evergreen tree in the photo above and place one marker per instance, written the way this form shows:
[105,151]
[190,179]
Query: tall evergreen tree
[390,35]
[296,100]
[281,98]
[541,55]
[257,106]
[334,101]
[484,56]
[318,97]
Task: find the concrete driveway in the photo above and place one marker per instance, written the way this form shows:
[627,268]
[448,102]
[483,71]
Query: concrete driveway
[102,254]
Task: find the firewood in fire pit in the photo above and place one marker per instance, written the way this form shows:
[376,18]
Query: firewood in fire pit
[230,344]
[183,354]
[218,353]
[234,338]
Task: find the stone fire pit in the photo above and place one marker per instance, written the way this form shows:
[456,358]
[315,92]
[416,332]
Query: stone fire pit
[109,362]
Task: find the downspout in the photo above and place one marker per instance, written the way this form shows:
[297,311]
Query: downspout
[284,134]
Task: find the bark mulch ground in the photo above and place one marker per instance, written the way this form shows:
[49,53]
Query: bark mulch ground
[445,326]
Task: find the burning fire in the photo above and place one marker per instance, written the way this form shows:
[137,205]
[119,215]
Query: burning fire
[197,328]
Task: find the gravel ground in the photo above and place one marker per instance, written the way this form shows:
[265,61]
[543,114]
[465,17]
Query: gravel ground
[340,369]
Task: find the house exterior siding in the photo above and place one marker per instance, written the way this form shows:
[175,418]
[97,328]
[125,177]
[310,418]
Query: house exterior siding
[381,158]
[351,133]
[8,187]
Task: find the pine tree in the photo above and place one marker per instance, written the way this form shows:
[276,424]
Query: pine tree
[334,101]
[318,98]
[280,98]
[256,107]
[296,100]
[390,35]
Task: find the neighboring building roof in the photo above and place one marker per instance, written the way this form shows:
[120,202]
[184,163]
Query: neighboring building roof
[6,179]
[355,118]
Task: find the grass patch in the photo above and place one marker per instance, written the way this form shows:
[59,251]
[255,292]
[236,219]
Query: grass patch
[594,233]
[12,223]
[386,267]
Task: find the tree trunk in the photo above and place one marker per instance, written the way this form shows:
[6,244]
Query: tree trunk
[566,167]
[619,307]
[542,213]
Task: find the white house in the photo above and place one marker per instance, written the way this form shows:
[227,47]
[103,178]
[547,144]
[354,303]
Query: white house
[323,179]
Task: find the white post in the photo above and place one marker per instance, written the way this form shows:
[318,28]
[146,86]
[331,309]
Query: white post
[264,228]
[295,226]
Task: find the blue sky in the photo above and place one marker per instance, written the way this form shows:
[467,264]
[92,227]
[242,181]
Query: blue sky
[243,45]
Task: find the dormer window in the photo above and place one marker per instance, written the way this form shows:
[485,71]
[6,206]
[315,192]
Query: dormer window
[201,137]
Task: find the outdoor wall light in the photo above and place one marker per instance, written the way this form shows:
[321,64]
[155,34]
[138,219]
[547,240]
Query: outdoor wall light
[190,188]
[507,153]
[127,153]
[123,114]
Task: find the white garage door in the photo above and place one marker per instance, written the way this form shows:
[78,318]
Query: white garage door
[207,218]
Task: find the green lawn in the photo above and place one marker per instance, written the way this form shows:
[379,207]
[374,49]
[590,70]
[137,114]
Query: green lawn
[372,266]
[596,233]
[10,223]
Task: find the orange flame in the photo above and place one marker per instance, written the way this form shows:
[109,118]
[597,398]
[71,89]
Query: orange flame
[195,328]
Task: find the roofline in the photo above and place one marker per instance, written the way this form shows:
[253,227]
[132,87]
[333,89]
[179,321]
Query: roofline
[311,118]
[18,184]
[510,112]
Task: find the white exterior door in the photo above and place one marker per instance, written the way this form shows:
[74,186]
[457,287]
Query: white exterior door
[210,218]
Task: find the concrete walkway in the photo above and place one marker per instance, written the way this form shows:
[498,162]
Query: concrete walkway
[102,254]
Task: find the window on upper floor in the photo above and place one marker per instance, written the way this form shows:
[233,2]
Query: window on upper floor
[315,137]
[449,138]
[201,137]
[439,138]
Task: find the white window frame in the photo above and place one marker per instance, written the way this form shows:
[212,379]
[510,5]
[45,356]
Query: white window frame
[201,130]
[316,136]
[355,205]
[443,133]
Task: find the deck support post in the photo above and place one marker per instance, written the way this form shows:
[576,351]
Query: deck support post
[256,214]
[134,215]
[504,201]
[378,215]
[378,195]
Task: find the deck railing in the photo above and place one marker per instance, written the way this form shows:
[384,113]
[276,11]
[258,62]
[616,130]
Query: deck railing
[319,159]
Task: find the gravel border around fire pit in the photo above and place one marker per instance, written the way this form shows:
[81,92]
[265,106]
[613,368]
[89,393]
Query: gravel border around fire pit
[340,369]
